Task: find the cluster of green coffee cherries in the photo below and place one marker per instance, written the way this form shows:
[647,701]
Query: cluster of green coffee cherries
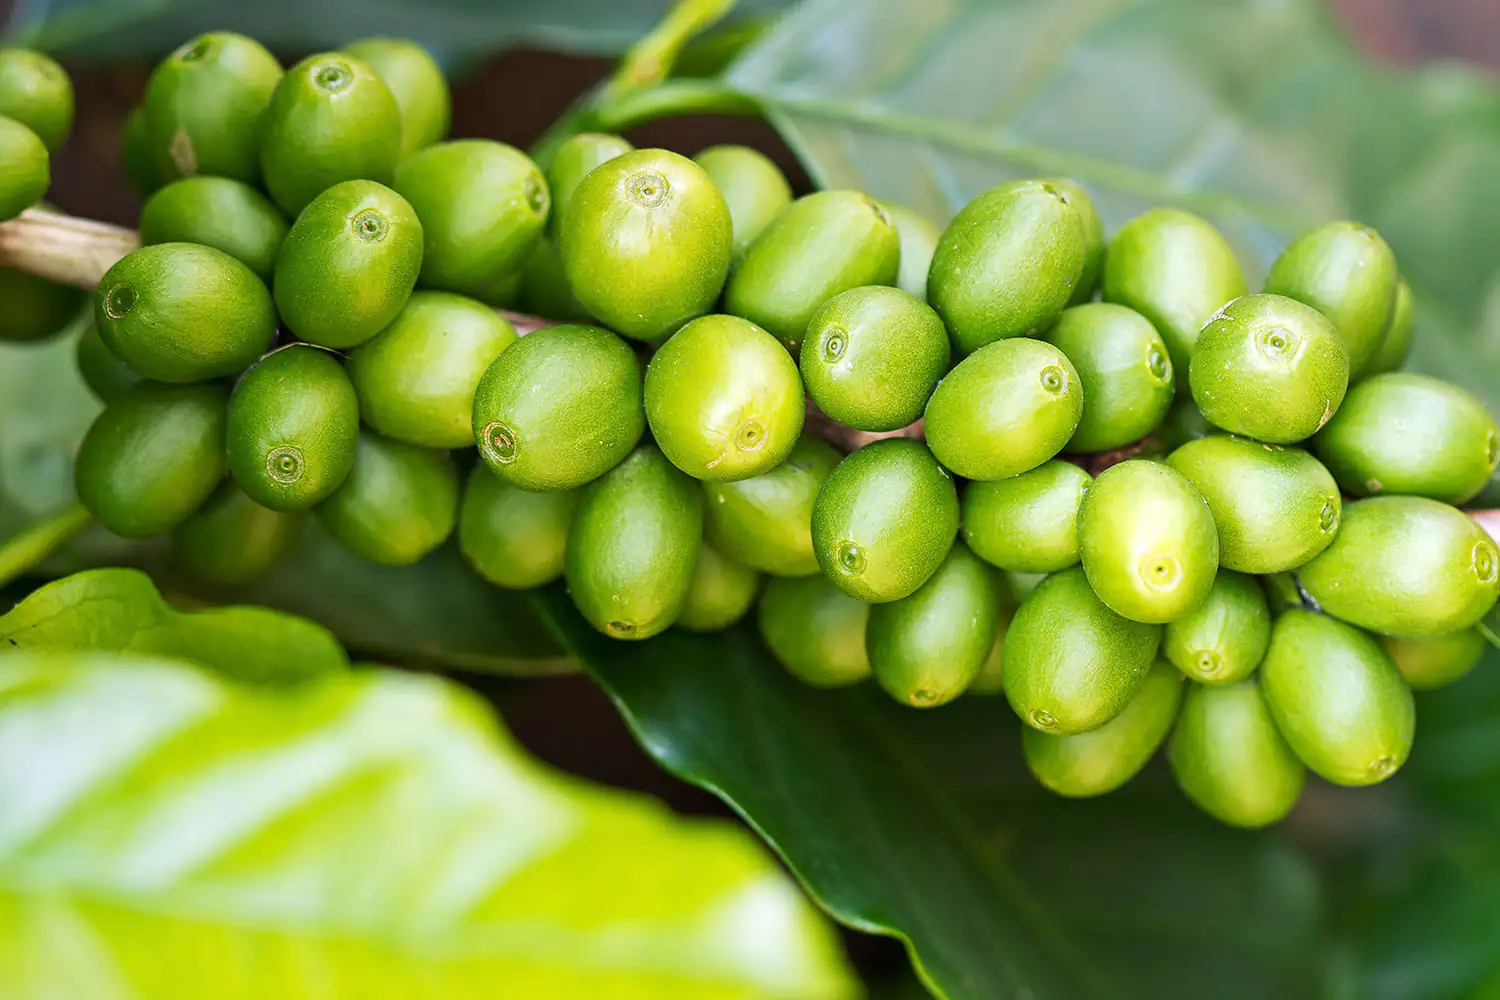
[314,311]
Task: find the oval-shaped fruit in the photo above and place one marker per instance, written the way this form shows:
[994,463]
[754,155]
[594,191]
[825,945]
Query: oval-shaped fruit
[513,537]
[1124,369]
[1410,434]
[218,212]
[152,457]
[1222,640]
[645,243]
[416,378]
[884,520]
[574,160]
[417,84]
[25,171]
[232,540]
[765,521]
[634,546]
[483,206]
[1435,661]
[1093,239]
[1275,507]
[293,425]
[1395,343]
[180,312]
[1337,698]
[348,265]
[991,676]
[1027,523]
[1346,272]
[1184,423]
[1406,566]
[36,91]
[1099,761]
[1176,270]
[723,399]
[927,648]
[398,503]
[872,356]
[35,308]
[135,155]
[820,245]
[753,187]
[1147,541]
[919,239]
[560,408]
[1005,409]
[815,630]
[721,593]
[1072,664]
[544,286]
[1008,263]
[1269,368]
[330,120]
[106,375]
[1231,760]
[203,107]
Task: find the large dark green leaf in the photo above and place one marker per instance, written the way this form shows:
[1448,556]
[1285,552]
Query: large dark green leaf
[164,835]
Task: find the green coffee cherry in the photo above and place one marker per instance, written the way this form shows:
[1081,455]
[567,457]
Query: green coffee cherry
[348,265]
[645,243]
[232,540]
[723,399]
[1176,270]
[1395,343]
[1281,592]
[1337,698]
[1222,640]
[105,375]
[1027,523]
[483,206]
[1008,263]
[1275,507]
[634,546]
[754,188]
[152,457]
[1147,541]
[330,120]
[1004,410]
[512,537]
[417,84]
[179,312]
[927,648]
[416,378]
[885,520]
[544,286]
[398,503]
[1346,272]
[574,160]
[218,212]
[1231,760]
[1099,761]
[991,676]
[815,630]
[721,593]
[1072,664]
[25,171]
[1410,434]
[293,425]
[559,408]
[919,240]
[1184,423]
[203,107]
[1269,368]
[765,522]
[35,308]
[135,155]
[1124,371]
[872,356]
[1406,566]
[1093,239]
[819,246]
[36,91]
[1435,661]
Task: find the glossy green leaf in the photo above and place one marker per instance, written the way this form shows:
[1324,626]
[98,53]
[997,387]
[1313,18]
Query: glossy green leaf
[372,836]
